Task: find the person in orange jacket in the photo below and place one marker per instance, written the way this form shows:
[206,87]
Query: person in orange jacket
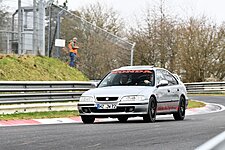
[73,51]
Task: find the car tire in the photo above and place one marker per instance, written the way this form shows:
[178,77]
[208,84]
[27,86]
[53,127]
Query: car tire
[122,119]
[180,114]
[152,106]
[87,119]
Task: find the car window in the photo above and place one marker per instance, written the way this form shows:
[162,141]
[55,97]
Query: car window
[159,76]
[169,77]
[129,78]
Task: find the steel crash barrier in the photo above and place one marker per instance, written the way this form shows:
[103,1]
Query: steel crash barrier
[30,96]
[205,87]
[30,92]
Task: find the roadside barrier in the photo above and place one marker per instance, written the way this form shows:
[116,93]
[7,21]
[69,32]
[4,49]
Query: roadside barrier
[30,96]
[37,91]
[63,91]
[205,87]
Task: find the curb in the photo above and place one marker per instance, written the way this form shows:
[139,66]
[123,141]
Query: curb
[209,108]
[39,121]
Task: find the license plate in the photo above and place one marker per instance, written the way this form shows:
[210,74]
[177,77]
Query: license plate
[106,106]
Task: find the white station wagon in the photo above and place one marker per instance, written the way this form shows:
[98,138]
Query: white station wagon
[131,91]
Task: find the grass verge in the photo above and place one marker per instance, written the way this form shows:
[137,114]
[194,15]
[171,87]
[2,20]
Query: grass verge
[39,115]
[37,68]
[195,104]
[65,114]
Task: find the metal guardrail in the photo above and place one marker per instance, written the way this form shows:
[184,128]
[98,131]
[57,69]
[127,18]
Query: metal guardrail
[205,87]
[37,91]
[32,96]
[62,91]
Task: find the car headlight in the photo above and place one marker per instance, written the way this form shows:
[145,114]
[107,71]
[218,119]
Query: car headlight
[86,99]
[133,98]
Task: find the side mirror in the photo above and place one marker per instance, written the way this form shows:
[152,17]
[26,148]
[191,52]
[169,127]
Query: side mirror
[163,83]
[95,84]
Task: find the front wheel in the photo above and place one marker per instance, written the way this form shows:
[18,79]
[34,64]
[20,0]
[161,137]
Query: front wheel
[151,116]
[87,119]
[180,114]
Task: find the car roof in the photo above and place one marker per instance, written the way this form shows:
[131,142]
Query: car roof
[135,68]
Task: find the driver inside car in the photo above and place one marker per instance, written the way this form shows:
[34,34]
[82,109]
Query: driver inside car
[145,80]
[124,80]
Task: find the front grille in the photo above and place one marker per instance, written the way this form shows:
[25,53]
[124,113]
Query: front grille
[107,98]
[119,109]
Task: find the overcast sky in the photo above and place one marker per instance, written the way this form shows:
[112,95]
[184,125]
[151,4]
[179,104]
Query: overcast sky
[213,9]
[131,9]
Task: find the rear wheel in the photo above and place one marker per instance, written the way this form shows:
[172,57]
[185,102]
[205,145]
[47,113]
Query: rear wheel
[87,119]
[151,116]
[180,114]
[122,119]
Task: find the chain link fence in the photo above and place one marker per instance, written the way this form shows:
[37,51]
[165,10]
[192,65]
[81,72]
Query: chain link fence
[99,50]
[24,32]
[6,44]
[34,26]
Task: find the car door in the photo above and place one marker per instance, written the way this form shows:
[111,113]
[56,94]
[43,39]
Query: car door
[173,88]
[162,93]
[176,88]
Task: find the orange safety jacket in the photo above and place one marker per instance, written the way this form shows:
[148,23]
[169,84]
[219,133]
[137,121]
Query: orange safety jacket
[72,48]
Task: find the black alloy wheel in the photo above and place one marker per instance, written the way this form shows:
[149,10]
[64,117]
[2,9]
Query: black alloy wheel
[180,114]
[151,116]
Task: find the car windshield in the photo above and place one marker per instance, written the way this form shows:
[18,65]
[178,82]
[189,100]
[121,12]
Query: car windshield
[129,78]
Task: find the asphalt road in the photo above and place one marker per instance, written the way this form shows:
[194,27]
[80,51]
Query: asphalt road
[164,134]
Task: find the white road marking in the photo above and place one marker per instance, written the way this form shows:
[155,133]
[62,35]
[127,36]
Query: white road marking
[213,143]
[209,108]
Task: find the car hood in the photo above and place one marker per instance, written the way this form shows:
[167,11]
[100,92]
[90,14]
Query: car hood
[118,91]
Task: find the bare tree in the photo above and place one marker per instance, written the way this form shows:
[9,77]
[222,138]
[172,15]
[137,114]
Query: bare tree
[202,49]
[4,17]
[192,48]
[156,41]
[4,25]
[98,52]
[103,17]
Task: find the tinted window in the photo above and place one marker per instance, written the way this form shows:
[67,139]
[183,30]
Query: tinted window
[169,77]
[128,78]
[159,76]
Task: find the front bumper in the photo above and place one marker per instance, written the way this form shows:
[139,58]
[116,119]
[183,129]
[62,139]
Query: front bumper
[122,109]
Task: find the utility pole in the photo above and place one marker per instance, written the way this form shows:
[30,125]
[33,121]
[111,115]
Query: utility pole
[41,27]
[34,28]
[58,30]
[132,54]
[19,28]
[49,29]
[58,25]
